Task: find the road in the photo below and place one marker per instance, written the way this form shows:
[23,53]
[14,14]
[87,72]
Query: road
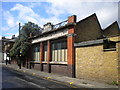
[15,79]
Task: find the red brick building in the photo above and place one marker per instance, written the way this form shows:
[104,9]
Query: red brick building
[54,50]
[58,49]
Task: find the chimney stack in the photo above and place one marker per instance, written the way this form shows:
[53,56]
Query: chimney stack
[47,27]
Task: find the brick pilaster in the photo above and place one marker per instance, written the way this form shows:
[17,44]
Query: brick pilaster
[48,52]
[49,55]
[72,19]
[41,55]
[70,50]
[41,52]
[70,46]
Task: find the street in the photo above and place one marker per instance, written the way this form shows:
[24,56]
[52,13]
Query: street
[15,79]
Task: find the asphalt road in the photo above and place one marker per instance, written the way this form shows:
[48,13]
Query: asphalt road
[13,79]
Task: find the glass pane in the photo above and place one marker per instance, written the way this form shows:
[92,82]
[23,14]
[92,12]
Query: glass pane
[63,55]
[59,51]
[55,55]
[45,52]
[38,56]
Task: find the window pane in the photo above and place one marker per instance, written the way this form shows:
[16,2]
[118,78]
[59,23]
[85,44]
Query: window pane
[45,52]
[59,48]
[59,51]
[63,55]
[36,52]
[53,52]
[55,55]
[38,56]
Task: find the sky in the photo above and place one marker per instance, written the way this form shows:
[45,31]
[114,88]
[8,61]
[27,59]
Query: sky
[40,12]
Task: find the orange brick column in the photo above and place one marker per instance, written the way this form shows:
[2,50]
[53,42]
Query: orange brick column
[70,46]
[49,55]
[41,55]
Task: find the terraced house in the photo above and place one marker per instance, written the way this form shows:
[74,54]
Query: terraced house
[78,49]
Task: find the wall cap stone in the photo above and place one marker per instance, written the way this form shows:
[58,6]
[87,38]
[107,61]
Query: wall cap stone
[88,43]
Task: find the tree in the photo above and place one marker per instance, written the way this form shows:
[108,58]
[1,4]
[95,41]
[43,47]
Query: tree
[22,45]
[14,51]
[30,28]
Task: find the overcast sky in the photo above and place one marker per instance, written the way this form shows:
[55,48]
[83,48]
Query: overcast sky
[54,11]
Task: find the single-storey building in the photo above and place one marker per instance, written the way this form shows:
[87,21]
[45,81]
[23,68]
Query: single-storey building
[53,51]
[78,49]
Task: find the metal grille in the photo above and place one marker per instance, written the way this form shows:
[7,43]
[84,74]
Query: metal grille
[60,24]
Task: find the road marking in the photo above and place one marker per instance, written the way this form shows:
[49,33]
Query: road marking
[31,83]
[71,83]
[33,73]
[49,77]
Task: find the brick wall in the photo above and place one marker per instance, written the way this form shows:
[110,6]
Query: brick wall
[118,50]
[36,66]
[93,63]
[60,69]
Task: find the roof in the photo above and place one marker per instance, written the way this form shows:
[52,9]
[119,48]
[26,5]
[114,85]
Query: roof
[88,29]
[112,30]
[94,14]
[54,30]
[8,40]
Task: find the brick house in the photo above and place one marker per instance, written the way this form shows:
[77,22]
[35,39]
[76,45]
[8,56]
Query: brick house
[7,44]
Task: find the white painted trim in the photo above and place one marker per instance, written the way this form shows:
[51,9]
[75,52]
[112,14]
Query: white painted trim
[44,61]
[55,62]
[51,36]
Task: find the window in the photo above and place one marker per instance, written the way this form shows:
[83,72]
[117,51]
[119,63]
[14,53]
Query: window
[59,51]
[109,45]
[45,52]
[36,52]
[64,51]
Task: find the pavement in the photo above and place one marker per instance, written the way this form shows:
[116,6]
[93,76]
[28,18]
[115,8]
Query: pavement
[12,79]
[74,82]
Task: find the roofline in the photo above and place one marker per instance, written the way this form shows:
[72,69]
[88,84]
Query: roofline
[94,14]
[8,40]
[54,30]
[115,22]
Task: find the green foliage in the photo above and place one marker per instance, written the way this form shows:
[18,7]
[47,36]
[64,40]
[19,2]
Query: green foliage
[24,48]
[114,83]
[30,28]
[15,49]
[22,45]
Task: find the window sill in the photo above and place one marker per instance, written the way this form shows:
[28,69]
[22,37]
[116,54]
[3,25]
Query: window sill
[35,61]
[53,62]
[111,49]
[44,61]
